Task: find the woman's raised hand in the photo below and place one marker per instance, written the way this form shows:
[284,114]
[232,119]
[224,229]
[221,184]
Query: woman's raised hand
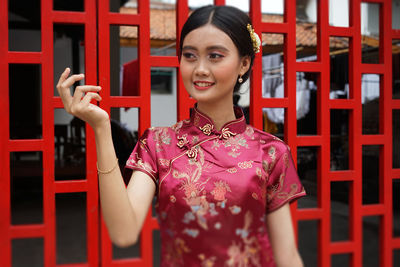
[79,104]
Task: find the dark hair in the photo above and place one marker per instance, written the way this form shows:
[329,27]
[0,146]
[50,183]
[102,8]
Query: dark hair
[228,19]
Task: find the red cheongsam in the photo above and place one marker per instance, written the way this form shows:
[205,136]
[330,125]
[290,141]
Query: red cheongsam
[215,188]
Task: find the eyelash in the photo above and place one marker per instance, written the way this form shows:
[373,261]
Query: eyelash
[188,55]
[216,56]
[212,56]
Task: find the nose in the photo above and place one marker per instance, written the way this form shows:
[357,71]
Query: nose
[201,68]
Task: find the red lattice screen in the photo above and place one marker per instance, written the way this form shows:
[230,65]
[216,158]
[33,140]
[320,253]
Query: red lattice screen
[96,19]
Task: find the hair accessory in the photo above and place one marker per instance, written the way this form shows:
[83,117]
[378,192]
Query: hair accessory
[255,39]
[108,171]
[240,80]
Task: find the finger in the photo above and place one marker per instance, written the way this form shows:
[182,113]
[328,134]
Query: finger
[63,76]
[81,90]
[71,80]
[64,89]
[89,97]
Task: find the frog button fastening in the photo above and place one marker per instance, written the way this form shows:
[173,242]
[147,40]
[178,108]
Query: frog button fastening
[207,128]
[182,141]
[192,153]
[225,133]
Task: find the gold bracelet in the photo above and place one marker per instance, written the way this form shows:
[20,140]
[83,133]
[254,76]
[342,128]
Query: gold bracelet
[106,172]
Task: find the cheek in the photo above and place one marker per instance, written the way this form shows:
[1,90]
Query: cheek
[226,73]
[185,71]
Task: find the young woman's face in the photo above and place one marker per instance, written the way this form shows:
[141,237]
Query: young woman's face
[210,65]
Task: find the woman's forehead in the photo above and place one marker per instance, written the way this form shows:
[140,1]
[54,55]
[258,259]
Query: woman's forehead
[206,37]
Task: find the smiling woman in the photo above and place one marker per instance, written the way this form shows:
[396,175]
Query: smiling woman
[210,67]
[222,186]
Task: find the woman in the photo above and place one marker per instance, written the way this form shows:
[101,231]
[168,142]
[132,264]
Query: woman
[222,186]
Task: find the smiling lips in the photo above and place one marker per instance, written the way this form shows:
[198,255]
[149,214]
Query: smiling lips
[202,85]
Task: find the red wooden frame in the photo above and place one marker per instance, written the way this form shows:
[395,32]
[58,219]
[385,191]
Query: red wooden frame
[97,20]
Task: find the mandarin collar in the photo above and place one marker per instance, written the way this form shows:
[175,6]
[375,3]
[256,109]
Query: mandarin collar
[206,125]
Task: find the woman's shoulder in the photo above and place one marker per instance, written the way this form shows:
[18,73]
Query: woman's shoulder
[269,141]
[164,134]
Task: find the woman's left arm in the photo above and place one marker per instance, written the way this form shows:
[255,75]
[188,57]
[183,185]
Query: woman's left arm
[281,234]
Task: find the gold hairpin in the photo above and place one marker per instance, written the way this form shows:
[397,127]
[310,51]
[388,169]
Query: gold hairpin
[255,39]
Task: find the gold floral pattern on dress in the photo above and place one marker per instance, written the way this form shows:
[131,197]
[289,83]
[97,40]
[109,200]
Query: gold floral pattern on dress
[195,139]
[259,173]
[272,153]
[263,179]
[266,166]
[245,164]
[235,209]
[235,143]
[277,189]
[207,129]
[196,120]
[175,252]
[287,195]
[249,132]
[164,162]
[286,160]
[220,190]
[194,191]
[161,137]
[207,262]
[137,162]
[143,143]
[177,126]
[247,252]
[232,170]
[191,232]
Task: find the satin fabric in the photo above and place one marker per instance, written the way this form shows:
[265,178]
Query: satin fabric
[215,188]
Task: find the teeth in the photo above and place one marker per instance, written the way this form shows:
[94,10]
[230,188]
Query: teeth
[203,84]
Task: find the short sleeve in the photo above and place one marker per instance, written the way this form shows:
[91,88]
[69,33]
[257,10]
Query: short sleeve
[143,157]
[283,184]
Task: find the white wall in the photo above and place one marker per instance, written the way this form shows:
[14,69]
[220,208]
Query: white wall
[339,13]
[370,19]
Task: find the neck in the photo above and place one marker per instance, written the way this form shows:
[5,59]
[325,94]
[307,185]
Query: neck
[220,114]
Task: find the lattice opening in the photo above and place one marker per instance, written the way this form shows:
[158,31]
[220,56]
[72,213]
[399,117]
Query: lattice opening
[27,252]
[26,177]
[340,211]
[27,124]
[371,241]
[69,146]
[71,227]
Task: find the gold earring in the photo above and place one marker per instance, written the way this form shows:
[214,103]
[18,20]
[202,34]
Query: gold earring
[240,80]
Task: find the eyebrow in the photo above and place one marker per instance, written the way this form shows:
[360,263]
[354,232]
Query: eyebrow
[213,47]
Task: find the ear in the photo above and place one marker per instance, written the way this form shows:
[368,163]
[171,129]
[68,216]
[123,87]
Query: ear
[244,65]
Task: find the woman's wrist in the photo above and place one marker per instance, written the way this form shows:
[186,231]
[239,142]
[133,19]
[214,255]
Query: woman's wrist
[102,128]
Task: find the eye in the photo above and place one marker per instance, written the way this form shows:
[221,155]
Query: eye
[189,56]
[215,56]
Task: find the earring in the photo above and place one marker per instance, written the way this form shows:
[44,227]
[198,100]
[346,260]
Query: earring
[240,80]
